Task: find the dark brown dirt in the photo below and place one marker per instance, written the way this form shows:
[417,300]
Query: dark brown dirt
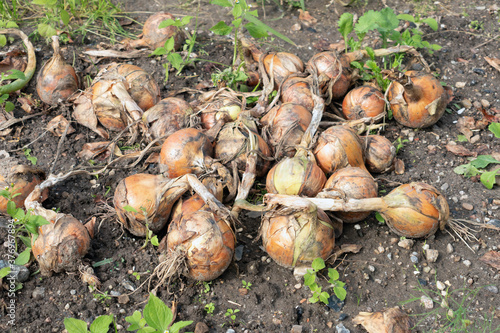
[381,275]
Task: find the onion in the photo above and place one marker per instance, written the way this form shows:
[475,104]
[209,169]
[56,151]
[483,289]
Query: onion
[19,180]
[379,153]
[297,90]
[281,64]
[363,102]
[411,210]
[333,74]
[56,80]
[219,107]
[418,101]
[286,125]
[337,148]
[186,151]
[151,196]
[235,141]
[393,320]
[168,116]
[152,37]
[295,236]
[351,182]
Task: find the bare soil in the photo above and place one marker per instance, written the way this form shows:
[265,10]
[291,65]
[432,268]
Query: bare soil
[381,275]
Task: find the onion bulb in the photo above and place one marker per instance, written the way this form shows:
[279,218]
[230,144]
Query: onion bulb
[337,148]
[143,199]
[297,90]
[333,74]
[363,102]
[295,236]
[352,182]
[379,153]
[281,64]
[223,107]
[186,151]
[19,180]
[168,116]
[235,141]
[153,37]
[286,125]
[418,100]
[56,80]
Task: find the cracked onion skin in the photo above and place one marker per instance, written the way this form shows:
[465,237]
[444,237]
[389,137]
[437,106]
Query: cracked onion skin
[206,241]
[415,210]
[363,102]
[296,238]
[168,116]
[353,183]
[418,101]
[57,80]
[186,151]
[337,148]
[379,153]
[60,245]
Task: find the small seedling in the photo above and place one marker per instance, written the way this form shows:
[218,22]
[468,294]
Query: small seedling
[210,308]
[477,166]
[399,143]
[231,313]
[206,287]
[14,75]
[149,233]
[102,297]
[318,294]
[99,325]
[32,159]
[246,284]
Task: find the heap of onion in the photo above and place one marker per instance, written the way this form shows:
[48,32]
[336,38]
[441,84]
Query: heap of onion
[56,80]
[363,102]
[168,116]
[418,100]
[379,153]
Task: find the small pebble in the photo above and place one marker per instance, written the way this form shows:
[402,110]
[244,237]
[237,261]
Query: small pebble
[371,268]
[449,248]
[276,321]
[238,252]
[479,71]
[431,255]
[66,307]
[119,327]
[115,293]
[414,259]
[427,302]
[39,292]
[389,256]
[123,299]
[73,292]
[440,285]
[460,84]
[467,206]
[122,311]
[201,327]
[296,329]
[343,316]
[444,187]
[298,286]
[467,263]
[380,249]
[466,103]
[475,139]
[427,269]
[492,289]
[341,329]
[230,330]
[406,243]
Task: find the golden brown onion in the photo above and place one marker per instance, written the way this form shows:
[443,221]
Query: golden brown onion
[57,80]
[297,90]
[355,183]
[152,37]
[363,102]
[168,116]
[339,147]
[219,108]
[186,151]
[379,153]
[333,73]
[282,64]
[418,101]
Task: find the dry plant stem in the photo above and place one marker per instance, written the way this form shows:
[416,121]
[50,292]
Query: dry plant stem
[14,121]
[317,114]
[30,68]
[59,146]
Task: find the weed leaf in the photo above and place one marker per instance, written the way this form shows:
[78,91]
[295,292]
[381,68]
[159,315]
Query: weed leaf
[333,274]
[222,3]
[175,328]
[257,22]
[346,24]
[406,17]
[488,179]
[482,161]
[340,292]
[157,314]
[495,129]
[4,272]
[318,264]
[221,29]
[431,23]
[73,325]
[101,324]
[256,31]
[23,257]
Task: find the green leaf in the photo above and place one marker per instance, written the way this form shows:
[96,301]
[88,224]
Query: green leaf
[333,274]
[495,129]
[436,47]
[313,299]
[11,208]
[23,257]
[237,10]
[4,272]
[482,161]
[431,23]
[9,106]
[468,170]
[254,13]
[157,314]
[341,293]
[222,3]
[26,240]
[175,60]
[367,22]
[73,325]
[154,240]
[257,22]
[318,264]
[406,17]
[135,320]
[389,20]
[256,31]
[236,23]
[166,23]
[175,328]
[101,324]
[370,52]
[379,217]
[48,3]
[461,138]
[221,29]
[159,51]
[357,65]
[489,178]
[170,44]
[64,17]
[345,24]
[3,40]
[186,19]
[19,214]
[324,296]
[309,279]
[129,208]
[38,220]
[31,227]
[15,74]
[46,30]
[11,24]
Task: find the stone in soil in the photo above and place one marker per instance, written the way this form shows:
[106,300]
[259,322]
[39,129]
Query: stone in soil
[467,206]
[296,329]
[467,263]
[19,272]
[39,292]
[440,285]
[335,303]
[343,316]
[449,249]
[341,329]
[243,291]
[492,289]
[406,243]
[427,302]
[431,255]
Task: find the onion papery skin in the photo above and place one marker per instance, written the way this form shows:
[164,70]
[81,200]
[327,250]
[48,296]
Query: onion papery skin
[419,104]
[60,245]
[379,153]
[233,144]
[353,183]
[337,148]
[363,102]
[143,193]
[415,210]
[222,108]
[168,116]
[185,151]
[23,179]
[57,80]
[206,241]
[286,124]
[327,66]
[295,239]
[282,64]
[153,38]
[296,175]
[297,90]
